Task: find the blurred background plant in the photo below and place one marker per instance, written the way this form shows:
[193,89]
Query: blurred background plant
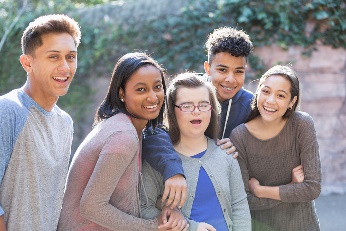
[175,39]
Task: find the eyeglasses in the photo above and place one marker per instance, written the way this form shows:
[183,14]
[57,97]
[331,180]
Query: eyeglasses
[189,107]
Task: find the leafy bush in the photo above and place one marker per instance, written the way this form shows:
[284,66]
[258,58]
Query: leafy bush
[177,40]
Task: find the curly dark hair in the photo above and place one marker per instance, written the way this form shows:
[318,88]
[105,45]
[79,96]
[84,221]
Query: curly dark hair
[230,40]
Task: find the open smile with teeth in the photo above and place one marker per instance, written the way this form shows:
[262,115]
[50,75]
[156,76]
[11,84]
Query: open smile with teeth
[151,107]
[269,109]
[228,88]
[60,79]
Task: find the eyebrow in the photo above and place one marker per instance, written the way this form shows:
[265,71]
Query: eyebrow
[140,83]
[54,51]
[221,65]
[190,102]
[279,90]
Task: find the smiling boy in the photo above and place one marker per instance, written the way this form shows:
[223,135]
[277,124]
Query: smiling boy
[35,134]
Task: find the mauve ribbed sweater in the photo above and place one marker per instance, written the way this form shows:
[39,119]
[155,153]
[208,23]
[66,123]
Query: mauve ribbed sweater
[271,162]
[102,186]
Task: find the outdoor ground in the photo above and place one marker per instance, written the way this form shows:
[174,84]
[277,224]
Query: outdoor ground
[331,211]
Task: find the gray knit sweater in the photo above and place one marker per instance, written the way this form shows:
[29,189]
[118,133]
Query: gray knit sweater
[271,162]
[225,175]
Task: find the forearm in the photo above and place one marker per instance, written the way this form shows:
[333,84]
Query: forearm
[158,151]
[241,215]
[262,197]
[270,192]
[2,224]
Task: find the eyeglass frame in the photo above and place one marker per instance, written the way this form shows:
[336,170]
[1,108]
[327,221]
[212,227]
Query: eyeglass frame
[194,107]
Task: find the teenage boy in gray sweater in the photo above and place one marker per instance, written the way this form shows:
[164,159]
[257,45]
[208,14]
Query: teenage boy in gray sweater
[35,134]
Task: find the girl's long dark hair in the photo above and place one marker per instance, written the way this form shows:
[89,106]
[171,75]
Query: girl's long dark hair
[123,70]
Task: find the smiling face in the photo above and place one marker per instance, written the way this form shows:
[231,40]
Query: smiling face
[227,74]
[143,95]
[274,98]
[192,124]
[50,68]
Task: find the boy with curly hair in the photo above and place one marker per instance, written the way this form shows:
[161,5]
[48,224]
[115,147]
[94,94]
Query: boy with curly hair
[228,49]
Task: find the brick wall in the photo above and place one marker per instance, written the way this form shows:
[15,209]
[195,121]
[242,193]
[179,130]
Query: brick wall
[323,96]
[322,77]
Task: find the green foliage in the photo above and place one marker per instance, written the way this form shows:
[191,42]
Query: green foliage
[175,40]
[77,101]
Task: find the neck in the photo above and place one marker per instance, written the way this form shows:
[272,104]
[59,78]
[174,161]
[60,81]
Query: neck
[265,130]
[46,103]
[191,146]
[272,124]
[139,125]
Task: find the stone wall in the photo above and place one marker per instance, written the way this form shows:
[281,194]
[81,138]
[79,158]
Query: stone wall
[322,77]
[323,96]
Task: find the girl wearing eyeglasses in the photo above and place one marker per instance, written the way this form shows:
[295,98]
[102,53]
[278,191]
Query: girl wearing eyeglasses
[216,197]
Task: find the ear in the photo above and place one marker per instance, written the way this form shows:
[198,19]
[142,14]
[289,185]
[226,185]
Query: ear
[121,94]
[293,101]
[207,68]
[25,60]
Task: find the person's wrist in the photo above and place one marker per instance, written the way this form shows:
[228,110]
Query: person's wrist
[258,191]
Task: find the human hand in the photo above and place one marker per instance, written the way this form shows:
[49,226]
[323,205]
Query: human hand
[297,174]
[202,226]
[175,190]
[254,186]
[172,219]
[226,144]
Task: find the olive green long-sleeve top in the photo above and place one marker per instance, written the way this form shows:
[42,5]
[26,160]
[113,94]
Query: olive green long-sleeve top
[271,162]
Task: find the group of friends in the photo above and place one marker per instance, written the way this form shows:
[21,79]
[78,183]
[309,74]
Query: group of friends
[200,153]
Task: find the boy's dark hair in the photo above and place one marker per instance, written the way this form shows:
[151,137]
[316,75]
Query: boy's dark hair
[230,40]
[190,80]
[55,23]
[126,66]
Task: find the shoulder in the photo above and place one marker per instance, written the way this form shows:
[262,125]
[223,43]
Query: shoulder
[118,123]
[302,119]
[120,130]
[243,99]
[218,155]
[12,107]
[245,95]
[64,115]
[11,100]
[240,129]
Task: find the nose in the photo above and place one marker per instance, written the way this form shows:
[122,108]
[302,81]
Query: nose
[64,67]
[196,111]
[152,97]
[271,99]
[230,78]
